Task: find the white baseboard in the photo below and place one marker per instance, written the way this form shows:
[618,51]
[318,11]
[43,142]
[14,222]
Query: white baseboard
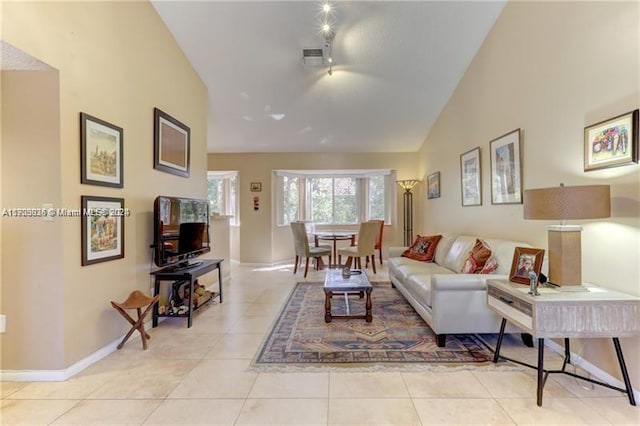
[590,368]
[66,373]
[57,375]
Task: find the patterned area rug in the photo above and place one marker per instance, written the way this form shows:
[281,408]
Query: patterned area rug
[397,335]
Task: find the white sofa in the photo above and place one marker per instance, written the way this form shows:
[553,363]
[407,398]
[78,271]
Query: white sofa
[451,302]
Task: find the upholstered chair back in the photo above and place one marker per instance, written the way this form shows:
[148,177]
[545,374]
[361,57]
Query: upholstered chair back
[367,236]
[300,239]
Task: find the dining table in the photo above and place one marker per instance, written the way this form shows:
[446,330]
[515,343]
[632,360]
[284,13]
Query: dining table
[335,236]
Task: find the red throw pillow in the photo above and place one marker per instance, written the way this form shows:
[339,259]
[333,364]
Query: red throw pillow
[478,256]
[470,265]
[423,248]
[489,267]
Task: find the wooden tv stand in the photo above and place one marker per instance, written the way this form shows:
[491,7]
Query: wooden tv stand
[189,274]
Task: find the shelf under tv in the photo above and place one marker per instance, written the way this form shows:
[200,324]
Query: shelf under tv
[189,274]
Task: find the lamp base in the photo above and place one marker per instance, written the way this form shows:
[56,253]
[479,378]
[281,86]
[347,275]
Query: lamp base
[565,257]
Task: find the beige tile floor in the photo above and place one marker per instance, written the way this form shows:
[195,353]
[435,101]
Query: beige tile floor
[200,375]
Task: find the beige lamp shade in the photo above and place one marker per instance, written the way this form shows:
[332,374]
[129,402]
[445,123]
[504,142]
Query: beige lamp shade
[566,203]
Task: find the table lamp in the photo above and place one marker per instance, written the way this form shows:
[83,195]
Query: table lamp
[566,203]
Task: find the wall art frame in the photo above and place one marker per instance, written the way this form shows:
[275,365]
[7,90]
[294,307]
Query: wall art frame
[101,152]
[612,142]
[172,144]
[102,229]
[433,185]
[256,186]
[525,260]
[471,178]
[506,168]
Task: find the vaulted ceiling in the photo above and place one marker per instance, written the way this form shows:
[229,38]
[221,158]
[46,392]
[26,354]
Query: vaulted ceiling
[395,66]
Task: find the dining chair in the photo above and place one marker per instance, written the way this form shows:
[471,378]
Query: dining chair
[365,246]
[378,238]
[303,249]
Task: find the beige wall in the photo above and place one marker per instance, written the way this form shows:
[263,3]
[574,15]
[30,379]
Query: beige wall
[550,68]
[32,273]
[260,240]
[116,61]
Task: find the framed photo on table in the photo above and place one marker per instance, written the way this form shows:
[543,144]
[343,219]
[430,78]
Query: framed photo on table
[102,229]
[611,143]
[101,153]
[506,168]
[172,144]
[525,261]
[433,185]
[470,177]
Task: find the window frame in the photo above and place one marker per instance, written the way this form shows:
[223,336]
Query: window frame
[229,204]
[362,193]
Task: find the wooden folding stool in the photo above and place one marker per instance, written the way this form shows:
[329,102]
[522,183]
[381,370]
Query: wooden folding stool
[136,300]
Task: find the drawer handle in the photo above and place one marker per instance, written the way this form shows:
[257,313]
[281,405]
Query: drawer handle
[505,300]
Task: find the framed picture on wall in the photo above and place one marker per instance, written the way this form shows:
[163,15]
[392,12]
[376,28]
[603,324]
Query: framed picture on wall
[101,154]
[611,143]
[470,177]
[102,229]
[506,168]
[172,144]
[433,185]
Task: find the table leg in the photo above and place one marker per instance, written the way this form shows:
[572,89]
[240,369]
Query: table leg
[496,355]
[369,316]
[220,280]
[190,303]
[156,308]
[327,306]
[623,370]
[540,370]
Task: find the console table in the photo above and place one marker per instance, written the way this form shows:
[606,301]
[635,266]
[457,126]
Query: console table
[589,312]
[189,274]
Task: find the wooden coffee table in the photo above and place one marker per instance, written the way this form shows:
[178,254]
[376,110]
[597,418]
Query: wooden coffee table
[357,283]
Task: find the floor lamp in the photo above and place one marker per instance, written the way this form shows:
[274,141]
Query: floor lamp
[407,197]
[566,203]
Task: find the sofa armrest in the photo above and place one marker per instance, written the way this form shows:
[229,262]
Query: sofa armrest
[462,282]
[396,251]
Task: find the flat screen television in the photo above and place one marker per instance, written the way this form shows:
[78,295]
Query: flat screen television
[181,230]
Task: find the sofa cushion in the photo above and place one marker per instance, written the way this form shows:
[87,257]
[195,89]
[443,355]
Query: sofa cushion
[420,288]
[457,254]
[443,248]
[403,268]
[405,271]
[477,258]
[423,248]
